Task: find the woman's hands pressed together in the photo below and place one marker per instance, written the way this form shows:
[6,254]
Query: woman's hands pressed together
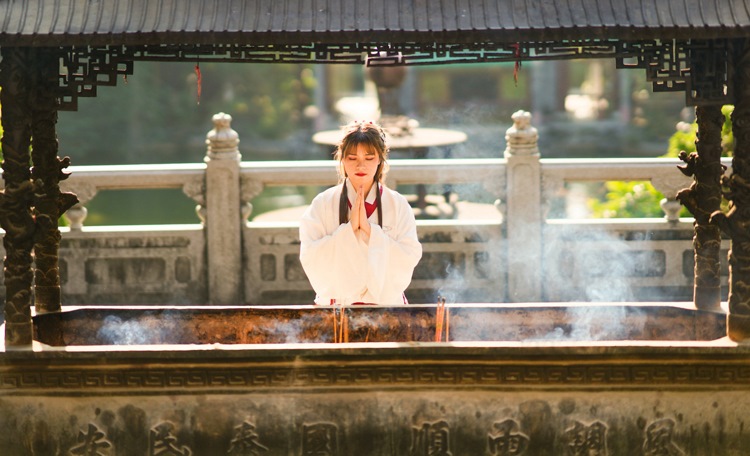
[360,224]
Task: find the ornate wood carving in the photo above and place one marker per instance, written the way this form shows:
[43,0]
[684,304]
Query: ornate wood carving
[697,67]
[736,222]
[702,199]
[48,202]
[31,203]
[15,201]
[84,69]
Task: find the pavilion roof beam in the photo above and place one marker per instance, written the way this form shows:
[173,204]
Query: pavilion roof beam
[134,22]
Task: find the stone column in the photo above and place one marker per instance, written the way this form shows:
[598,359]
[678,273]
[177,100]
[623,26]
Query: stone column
[737,221]
[49,203]
[702,199]
[524,213]
[15,201]
[223,213]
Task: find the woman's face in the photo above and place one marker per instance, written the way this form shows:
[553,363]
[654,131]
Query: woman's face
[360,165]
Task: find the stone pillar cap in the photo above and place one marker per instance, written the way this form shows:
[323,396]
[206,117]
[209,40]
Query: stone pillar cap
[521,138]
[222,141]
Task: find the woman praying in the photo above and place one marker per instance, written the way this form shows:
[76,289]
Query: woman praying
[359,239]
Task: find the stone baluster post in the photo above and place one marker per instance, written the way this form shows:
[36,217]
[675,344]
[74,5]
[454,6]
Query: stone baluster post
[523,210]
[223,222]
[76,215]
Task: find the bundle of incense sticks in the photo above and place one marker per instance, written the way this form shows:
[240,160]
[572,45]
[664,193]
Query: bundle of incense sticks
[340,325]
[442,320]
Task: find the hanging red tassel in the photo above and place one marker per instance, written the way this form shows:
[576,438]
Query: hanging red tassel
[517,65]
[198,80]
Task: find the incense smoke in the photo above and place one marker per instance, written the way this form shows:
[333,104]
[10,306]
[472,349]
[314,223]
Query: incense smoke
[118,332]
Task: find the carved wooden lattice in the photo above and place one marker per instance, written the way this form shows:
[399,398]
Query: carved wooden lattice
[697,67]
[84,69]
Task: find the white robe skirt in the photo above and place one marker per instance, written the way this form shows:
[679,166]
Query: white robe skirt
[346,270]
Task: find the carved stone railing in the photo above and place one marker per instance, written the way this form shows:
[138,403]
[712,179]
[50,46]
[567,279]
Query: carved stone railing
[514,253]
[87,181]
[661,172]
[620,259]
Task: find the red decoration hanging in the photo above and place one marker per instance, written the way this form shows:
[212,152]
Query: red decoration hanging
[517,65]
[198,80]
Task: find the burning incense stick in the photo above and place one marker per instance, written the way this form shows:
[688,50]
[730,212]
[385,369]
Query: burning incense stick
[439,319]
[335,328]
[342,315]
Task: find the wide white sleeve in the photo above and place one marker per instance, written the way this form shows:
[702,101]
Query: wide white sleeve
[332,261]
[393,254]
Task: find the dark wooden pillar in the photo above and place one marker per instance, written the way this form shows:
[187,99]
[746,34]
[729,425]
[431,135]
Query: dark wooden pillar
[49,203]
[31,203]
[15,201]
[702,199]
[736,222]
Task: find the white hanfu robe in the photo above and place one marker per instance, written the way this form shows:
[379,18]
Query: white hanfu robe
[343,269]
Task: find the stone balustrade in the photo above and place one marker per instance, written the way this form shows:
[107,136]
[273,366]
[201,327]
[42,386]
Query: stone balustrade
[513,253]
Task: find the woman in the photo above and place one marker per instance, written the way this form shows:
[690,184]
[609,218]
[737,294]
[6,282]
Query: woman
[359,239]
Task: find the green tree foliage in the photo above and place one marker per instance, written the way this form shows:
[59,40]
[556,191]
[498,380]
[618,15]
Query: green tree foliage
[685,136]
[640,199]
[627,200]
[155,115]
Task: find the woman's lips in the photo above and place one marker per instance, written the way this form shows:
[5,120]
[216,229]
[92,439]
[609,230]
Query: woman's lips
[361,174]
